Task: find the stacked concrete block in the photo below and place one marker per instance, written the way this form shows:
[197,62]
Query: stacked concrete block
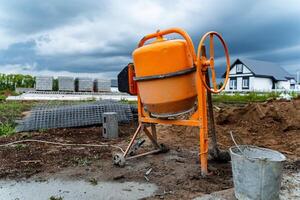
[44,83]
[66,83]
[102,85]
[84,84]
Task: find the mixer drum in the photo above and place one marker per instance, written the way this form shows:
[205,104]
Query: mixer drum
[165,77]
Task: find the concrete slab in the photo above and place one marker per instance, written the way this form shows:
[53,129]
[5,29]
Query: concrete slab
[70,190]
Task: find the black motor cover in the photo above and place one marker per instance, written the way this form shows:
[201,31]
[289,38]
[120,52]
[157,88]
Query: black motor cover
[123,82]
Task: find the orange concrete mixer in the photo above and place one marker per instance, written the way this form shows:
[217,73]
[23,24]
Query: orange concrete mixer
[169,79]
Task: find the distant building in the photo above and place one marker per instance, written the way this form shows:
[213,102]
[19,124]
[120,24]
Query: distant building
[255,75]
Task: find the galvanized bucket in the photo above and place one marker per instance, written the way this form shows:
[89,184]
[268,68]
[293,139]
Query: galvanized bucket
[257,172]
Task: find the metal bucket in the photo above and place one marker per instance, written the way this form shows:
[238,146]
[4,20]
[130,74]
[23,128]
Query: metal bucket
[257,172]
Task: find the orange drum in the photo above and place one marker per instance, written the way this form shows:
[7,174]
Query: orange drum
[165,76]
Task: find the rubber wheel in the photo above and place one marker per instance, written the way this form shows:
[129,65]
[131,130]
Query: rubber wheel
[119,160]
[163,149]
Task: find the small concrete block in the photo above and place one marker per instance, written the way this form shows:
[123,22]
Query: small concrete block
[110,125]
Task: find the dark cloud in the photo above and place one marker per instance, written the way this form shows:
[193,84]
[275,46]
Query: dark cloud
[29,16]
[99,36]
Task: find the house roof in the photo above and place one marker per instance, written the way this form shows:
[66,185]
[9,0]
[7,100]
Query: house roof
[264,69]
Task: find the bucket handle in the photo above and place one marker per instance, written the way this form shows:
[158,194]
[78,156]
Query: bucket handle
[179,31]
[238,147]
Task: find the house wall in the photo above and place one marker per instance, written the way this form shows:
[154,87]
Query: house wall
[246,73]
[251,83]
[255,83]
[282,85]
[245,70]
[262,84]
[227,86]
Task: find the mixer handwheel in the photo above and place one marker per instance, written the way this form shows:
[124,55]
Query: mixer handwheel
[210,62]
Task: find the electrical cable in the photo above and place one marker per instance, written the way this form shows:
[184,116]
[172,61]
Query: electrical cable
[62,144]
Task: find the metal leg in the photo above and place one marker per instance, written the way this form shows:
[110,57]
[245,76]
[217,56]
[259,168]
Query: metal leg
[203,148]
[203,133]
[133,138]
[153,140]
[119,159]
[153,130]
[203,152]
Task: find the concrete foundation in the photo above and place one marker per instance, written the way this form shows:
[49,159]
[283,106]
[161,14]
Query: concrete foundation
[110,125]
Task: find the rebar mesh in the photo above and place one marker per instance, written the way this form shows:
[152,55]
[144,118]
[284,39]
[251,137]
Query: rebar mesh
[47,116]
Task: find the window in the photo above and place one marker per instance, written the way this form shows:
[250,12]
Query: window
[239,68]
[245,83]
[232,84]
[292,86]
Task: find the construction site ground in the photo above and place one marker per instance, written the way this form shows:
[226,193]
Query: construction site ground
[272,124]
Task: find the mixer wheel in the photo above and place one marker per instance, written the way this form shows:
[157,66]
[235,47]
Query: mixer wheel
[163,148]
[119,159]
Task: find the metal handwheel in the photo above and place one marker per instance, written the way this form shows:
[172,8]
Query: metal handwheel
[205,63]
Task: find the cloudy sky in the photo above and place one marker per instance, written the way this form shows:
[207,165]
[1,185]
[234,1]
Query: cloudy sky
[96,38]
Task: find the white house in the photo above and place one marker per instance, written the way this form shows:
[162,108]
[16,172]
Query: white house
[255,75]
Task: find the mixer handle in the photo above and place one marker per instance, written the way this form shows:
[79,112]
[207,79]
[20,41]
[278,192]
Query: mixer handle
[179,31]
[204,63]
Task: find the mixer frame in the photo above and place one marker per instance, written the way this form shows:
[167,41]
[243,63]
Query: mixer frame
[199,117]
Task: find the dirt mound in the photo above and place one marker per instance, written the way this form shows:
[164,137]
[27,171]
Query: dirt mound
[284,114]
[274,124]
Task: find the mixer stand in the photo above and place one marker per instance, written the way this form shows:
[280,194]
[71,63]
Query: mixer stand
[119,159]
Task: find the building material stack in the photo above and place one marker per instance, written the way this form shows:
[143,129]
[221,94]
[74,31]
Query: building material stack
[66,83]
[44,83]
[85,84]
[102,85]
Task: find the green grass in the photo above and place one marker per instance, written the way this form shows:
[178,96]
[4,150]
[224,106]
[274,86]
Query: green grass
[7,129]
[55,198]
[2,97]
[8,93]
[244,98]
[9,112]
[237,97]
[128,101]
[93,181]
